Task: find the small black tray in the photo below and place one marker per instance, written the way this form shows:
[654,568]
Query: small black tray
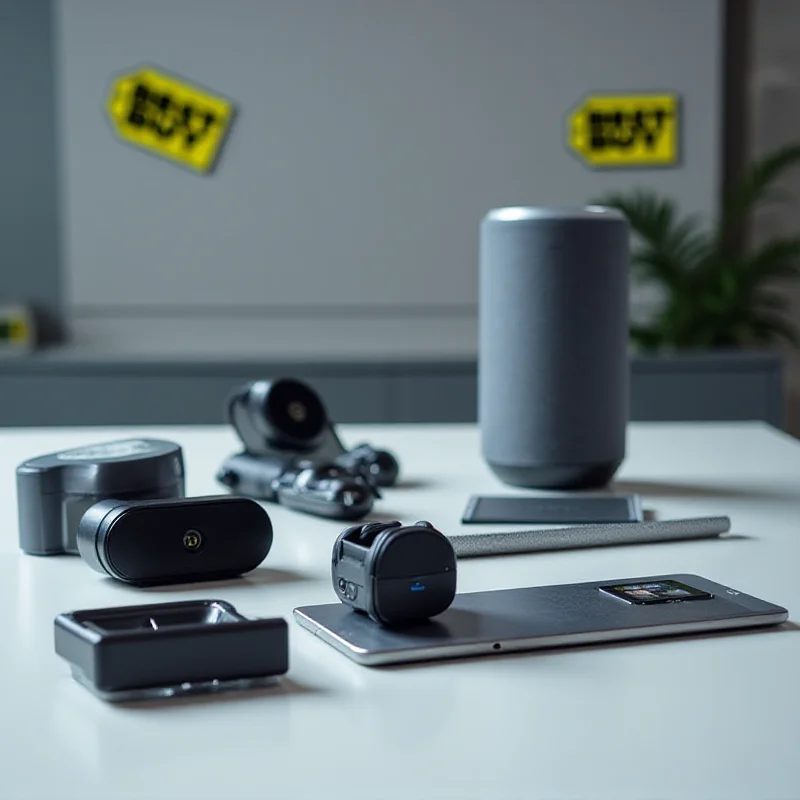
[168,649]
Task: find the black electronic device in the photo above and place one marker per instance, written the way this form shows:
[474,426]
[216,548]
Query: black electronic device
[380,466]
[325,490]
[286,417]
[54,490]
[170,649]
[156,542]
[394,573]
[294,456]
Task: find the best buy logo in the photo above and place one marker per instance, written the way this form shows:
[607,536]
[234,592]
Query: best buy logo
[640,130]
[170,118]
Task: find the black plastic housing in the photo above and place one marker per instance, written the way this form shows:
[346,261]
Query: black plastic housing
[54,490]
[283,416]
[396,574]
[321,489]
[175,541]
[196,645]
[285,419]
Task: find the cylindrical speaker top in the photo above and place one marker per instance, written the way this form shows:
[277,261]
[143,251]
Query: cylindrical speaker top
[553,344]
[560,214]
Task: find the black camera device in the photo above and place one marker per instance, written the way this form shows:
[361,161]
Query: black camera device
[394,573]
[294,457]
[157,542]
[54,490]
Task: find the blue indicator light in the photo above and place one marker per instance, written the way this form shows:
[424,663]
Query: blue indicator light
[417,587]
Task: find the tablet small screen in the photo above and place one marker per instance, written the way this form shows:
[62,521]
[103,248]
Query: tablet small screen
[654,592]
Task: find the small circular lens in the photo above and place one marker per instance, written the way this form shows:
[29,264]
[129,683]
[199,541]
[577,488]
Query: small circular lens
[297,411]
[192,540]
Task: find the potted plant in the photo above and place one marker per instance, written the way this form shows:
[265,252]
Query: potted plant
[716,295]
[720,313]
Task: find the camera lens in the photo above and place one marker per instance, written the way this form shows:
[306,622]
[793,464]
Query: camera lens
[295,411]
[192,540]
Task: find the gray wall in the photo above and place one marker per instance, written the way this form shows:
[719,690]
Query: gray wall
[774,119]
[729,386]
[29,246]
[372,136]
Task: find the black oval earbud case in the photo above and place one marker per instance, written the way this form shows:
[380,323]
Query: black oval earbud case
[175,541]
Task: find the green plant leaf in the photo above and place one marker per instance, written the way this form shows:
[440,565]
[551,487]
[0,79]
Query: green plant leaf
[655,265]
[646,337]
[766,326]
[670,247]
[714,295]
[779,258]
[753,187]
[656,222]
[650,217]
[771,300]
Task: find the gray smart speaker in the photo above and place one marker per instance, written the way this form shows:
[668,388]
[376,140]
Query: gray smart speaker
[553,370]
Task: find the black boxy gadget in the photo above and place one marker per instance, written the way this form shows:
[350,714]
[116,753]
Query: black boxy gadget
[157,542]
[54,490]
[394,573]
[170,649]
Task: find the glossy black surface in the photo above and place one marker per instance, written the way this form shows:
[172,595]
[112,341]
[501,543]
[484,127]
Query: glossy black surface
[175,541]
[167,644]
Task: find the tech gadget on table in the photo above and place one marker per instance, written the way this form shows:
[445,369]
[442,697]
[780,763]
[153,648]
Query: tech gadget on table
[323,490]
[54,490]
[158,542]
[293,456]
[167,649]
[567,509]
[553,342]
[394,573]
[535,618]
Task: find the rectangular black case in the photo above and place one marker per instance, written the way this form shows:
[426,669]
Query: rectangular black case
[170,648]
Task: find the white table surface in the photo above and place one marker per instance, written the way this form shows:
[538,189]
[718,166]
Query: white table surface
[704,717]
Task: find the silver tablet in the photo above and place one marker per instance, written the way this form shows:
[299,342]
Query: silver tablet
[540,617]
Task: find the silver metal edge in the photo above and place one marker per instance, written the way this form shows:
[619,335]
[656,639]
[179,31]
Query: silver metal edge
[636,508]
[366,658]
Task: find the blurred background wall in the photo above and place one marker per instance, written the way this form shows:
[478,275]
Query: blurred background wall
[772,94]
[337,237]
[30,247]
[372,137]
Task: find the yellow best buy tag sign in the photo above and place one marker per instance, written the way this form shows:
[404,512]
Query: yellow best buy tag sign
[170,117]
[14,330]
[626,130]
[17,329]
